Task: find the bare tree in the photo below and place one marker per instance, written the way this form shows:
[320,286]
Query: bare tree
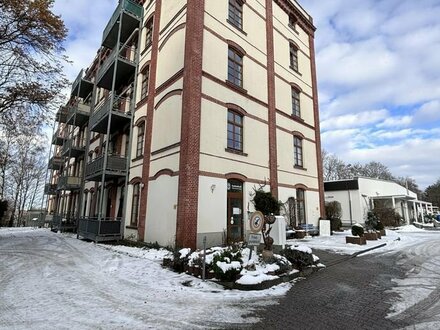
[31,56]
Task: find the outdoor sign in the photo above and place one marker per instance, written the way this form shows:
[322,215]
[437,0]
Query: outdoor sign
[254,239]
[256,222]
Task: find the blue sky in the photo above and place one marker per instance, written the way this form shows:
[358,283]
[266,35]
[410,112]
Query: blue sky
[378,73]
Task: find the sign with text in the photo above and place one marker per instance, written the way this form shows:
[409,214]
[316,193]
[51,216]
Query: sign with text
[254,239]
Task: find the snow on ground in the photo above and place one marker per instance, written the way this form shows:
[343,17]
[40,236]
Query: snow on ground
[48,278]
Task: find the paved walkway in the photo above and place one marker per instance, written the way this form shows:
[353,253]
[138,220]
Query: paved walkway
[350,294]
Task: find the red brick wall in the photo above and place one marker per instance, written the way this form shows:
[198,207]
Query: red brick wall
[188,191]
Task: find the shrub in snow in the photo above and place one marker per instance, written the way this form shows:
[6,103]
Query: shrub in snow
[379,226]
[284,265]
[180,259]
[372,220]
[227,265]
[357,230]
[300,257]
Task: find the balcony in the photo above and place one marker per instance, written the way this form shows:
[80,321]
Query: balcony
[73,148]
[107,229]
[59,137]
[61,115]
[118,108]
[78,113]
[124,58]
[69,183]
[63,222]
[130,14]
[81,87]
[116,168]
[50,189]
[55,163]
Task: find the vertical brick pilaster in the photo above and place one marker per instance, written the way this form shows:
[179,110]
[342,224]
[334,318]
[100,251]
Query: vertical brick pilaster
[317,126]
[188,191]
[273,161]
[149,122]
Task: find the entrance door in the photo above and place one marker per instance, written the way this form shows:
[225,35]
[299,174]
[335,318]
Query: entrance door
[235,211]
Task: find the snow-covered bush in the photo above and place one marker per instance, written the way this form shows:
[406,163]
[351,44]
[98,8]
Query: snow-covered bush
[357,230]
[299,256]
[181,259]
[227,264]
[379,225]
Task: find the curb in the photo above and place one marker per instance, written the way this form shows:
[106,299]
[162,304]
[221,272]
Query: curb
[354,255]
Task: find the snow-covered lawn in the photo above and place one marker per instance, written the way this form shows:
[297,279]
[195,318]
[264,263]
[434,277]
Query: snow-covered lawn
[53,281]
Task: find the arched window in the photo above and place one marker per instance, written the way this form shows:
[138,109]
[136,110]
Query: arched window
[296,107]
[235,67]
[140,139]
[298,151]
[148,28]
[235,130]
[301,206]
[145,79]
[235,16]
[135,204]
[293,56]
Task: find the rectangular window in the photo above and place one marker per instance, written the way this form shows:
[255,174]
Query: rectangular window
[235,131]
[236,13]
[140,140]
[293,57]
[135,204]
[235,67]
[292,21]
[298,151]
[144,86]
[148,33]
[301,206]
[296,109]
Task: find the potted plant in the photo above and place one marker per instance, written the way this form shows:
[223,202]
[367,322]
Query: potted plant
[371,223]
[269,206]
[358,235]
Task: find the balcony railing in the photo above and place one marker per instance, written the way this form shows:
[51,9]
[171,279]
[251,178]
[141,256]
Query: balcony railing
[107,229]
[81,87]
[55,163]
[126,57]
[63,222]
[132,15]
[78,113]
[74,147]
[119,107]
[116,167]
[50,189]
[69,182]
[59,137]
[61,115]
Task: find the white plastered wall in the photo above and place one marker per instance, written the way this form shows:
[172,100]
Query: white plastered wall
[162,210]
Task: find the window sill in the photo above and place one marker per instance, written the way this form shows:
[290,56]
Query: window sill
[297,118]
[295,70]
[142,102]
[131,227]
[236,87]
[293,27]
[237,152]
[137,158]
[236,27]
[299,167]
[146,49]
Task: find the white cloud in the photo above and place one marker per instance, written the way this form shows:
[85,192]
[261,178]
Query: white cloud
[380,55]
[354,120]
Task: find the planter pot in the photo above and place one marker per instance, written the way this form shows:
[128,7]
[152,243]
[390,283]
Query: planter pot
[190,269]
[167,262]
[379,236]
[267,255]
[355,240]
[186,268]
[209,275]
[383,232]
[370,236]
[300,234]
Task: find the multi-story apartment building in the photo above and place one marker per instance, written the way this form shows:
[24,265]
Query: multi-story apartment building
[195,104]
